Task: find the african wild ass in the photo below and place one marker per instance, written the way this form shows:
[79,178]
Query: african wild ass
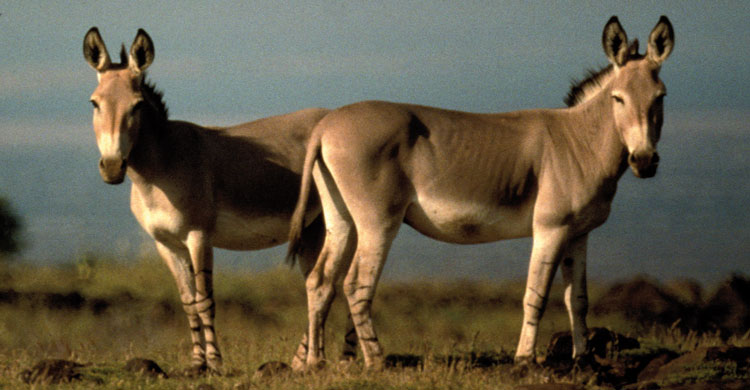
[195,188]
[471,178]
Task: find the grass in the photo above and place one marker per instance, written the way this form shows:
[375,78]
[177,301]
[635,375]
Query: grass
[261,317]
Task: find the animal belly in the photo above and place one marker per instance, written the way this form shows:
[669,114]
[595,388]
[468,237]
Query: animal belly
[465,222]
[238,232]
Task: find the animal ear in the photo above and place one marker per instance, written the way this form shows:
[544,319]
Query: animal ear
[141,52]
[94,50]
[661,41]
[615,42]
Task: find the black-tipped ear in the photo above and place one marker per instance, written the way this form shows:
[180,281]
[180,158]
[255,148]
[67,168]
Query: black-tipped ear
[94,50]
[141,52]
[661,41]
[615,42]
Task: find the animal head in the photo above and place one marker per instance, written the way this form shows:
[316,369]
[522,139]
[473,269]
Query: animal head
[637,93]
[118,100]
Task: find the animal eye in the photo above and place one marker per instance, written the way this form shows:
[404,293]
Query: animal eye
[618,99]
[138,106]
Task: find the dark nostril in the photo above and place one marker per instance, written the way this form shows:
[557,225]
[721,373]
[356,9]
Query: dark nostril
[101,163]
[655,158]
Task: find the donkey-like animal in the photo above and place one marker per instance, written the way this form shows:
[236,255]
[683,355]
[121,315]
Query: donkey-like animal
[471,178]
[195,188]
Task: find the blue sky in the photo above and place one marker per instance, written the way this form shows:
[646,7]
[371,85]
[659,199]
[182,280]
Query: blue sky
[220,63]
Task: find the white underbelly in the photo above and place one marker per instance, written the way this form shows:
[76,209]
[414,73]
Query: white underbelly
[466,222]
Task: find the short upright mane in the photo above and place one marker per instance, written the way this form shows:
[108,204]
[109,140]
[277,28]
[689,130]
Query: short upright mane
[585,89]
[148,89]
[155,98]
[580,91]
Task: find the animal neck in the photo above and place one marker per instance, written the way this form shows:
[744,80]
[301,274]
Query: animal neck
[594,123]
[145,160]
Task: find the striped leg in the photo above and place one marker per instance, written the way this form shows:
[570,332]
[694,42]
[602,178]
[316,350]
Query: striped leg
[545,257]
[178,261]
[201,254]
[576,295]
[312,238]
[360,283]
[349,351]
[333,261]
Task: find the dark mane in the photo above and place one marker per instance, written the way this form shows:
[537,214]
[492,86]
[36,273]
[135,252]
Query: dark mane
[152,95]
[579,89]
[594,80]
[155,98]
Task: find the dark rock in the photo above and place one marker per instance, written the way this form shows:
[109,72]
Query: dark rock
[52,371]
[145,367]
[272,369]
[601,342]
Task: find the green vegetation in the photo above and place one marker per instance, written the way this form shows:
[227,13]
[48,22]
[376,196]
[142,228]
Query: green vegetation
[102,313]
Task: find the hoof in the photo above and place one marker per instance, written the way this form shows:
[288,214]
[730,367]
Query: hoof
[200,371]
[523,366]
[272,369]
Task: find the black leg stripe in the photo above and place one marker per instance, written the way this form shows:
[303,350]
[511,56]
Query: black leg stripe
[534,306]
[537,293]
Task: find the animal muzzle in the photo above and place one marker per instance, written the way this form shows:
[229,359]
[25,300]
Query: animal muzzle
[643,164]
[112,169]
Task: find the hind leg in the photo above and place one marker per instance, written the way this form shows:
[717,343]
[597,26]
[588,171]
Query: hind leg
[359,287]
[334,258]
[312,241]
[377,202]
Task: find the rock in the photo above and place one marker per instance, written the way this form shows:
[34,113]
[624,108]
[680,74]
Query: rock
[601,342]
[145,367]
[52,371]
[272,369]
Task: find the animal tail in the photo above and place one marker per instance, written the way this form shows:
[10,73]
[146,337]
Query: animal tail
[297,222]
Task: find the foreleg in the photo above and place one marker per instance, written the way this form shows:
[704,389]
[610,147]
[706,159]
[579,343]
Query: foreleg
[576,295]
[545,257]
